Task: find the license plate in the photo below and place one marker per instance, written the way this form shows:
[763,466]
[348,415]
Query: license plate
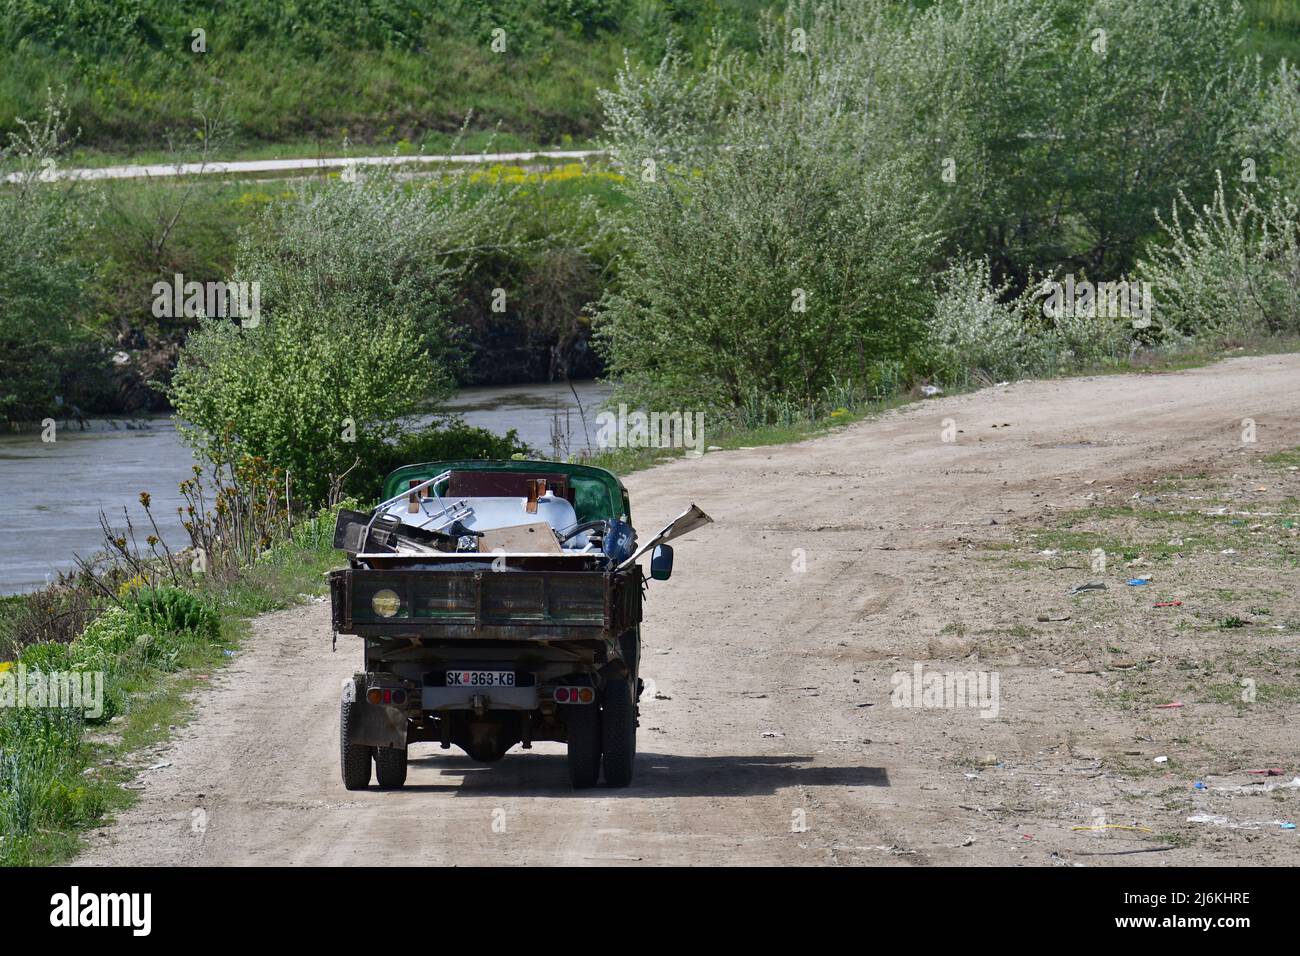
[480,678]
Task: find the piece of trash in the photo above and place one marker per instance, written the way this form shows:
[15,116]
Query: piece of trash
[770,733]
[228,653]
[1114,826]
[1268,771]
[1229,551]
[1222,821]
[1092,586]
[929,391]
[160,765]
[1168,604]
[1199,785]
[1053,616]
[1137,582]
[1170,706]
[971,776]
[1252,789]
[1161,760]
[966,842]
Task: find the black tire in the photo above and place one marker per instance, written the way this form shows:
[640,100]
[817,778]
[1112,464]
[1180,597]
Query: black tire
[353,758]
[583,730]
[390,767]
[618,732]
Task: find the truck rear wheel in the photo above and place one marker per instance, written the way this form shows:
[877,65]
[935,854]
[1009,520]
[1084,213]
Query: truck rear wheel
[618,727]
[583,729]
[390,767]
[354,758]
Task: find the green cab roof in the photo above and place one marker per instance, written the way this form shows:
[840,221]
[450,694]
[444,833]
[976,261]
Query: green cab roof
[597,493]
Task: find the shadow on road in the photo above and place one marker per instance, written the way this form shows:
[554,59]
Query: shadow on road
[656,775]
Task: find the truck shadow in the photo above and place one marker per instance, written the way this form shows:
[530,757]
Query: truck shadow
[656,775]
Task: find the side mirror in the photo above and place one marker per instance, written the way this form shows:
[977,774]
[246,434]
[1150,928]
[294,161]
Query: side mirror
[661,562]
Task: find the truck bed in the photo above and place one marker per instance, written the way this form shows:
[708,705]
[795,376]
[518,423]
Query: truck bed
[534,599]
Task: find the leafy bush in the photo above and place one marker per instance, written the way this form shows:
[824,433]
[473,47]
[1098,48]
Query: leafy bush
[356,281]
[1230,269]
[790,258]
[111,634]
[452,441]
[982,330]
[979,325]
[1061,124]
[175,610]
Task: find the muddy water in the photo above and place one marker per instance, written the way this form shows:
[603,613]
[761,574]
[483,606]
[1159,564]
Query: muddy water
[51,493]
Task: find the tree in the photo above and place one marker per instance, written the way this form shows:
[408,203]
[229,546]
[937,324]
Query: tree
[42,273]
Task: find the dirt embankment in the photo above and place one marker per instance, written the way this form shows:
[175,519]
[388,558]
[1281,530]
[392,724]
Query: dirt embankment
[769,733]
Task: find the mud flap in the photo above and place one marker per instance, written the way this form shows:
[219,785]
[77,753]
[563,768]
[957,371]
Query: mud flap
[373,725]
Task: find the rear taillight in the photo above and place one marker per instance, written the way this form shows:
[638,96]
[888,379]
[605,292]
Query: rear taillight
[574,695]
[389,696]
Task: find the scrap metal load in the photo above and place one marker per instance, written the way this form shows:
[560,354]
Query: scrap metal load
[463,513]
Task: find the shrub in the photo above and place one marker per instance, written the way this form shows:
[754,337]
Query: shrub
[1065,123]
[111,634]
[451,441]
[1230,269]
[356,281]
[792,257]
[981,330]
[171,610]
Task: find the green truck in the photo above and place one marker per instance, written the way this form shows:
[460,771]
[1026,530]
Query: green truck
[497,603]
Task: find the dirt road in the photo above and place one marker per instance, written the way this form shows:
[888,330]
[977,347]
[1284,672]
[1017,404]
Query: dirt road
[768,733]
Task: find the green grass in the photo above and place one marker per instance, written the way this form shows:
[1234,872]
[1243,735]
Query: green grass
[310,74]
[315,72]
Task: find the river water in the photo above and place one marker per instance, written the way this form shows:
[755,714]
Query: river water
[51,493]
